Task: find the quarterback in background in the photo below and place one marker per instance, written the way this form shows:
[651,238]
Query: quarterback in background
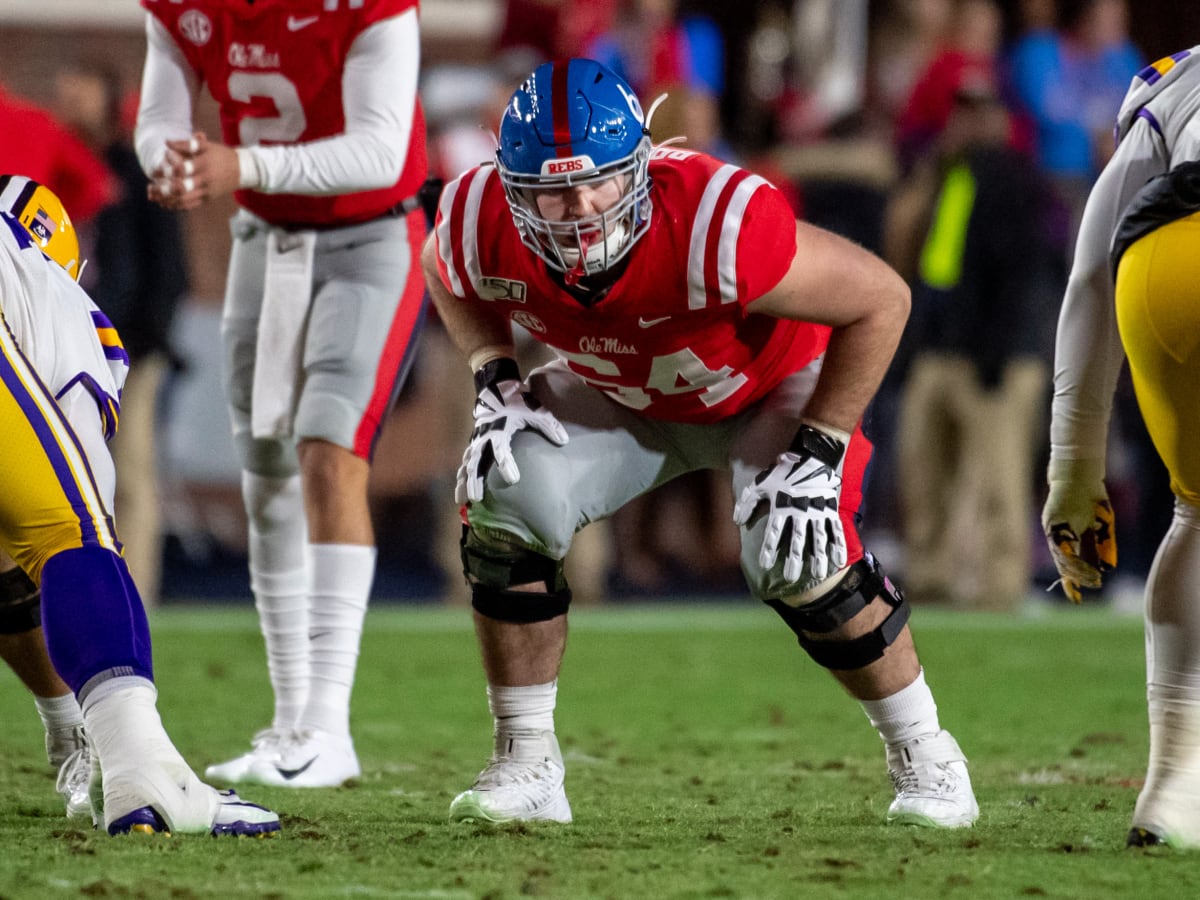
[324,152]
[62,367]
[697,325]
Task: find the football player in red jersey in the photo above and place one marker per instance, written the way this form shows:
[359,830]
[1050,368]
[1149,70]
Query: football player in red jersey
[323,147]
[698,326]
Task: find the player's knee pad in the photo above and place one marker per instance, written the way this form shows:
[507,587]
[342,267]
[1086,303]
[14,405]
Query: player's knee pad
[492,568]
[20,603]
[863,582]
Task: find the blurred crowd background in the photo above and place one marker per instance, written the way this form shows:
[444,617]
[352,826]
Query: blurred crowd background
[956,138]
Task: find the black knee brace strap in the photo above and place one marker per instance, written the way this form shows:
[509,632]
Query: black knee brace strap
[20,603]
[863,583]
[492,569]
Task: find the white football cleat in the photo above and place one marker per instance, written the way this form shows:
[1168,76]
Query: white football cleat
[932,785]
[308,759]
[265,748]
[523,781]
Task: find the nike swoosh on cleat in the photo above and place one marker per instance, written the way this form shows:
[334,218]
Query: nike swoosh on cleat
[289,774]
[650,323]
[295,23]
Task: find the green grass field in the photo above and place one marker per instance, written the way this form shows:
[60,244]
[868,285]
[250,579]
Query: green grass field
[706,757]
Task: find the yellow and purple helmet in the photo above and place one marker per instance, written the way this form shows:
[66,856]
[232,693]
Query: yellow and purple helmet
[42,214]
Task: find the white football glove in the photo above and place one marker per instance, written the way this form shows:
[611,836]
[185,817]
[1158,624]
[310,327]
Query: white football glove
[502,409]
[1079,526]
[803,490]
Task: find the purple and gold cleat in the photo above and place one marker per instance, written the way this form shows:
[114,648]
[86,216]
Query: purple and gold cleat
[234,816]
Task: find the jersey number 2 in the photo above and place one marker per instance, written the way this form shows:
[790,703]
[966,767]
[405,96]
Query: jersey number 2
[285,127]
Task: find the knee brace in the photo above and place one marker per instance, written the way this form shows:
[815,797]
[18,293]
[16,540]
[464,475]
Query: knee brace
[20,603]
[863,582]
[492,569]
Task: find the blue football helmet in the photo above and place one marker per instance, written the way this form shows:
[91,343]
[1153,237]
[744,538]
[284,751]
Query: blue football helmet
[575,122]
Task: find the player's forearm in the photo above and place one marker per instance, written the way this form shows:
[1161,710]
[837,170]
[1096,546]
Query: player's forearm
[480,334]
[344,164]
[1087,362]
[1088,354]
[165,104]
[856,361]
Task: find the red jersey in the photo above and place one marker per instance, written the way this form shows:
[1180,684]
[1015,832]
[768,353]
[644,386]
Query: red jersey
[672,337]
[275,70]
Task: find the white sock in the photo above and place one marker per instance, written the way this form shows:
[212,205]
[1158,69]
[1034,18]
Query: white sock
[279,579]
[341,587]
[906,714]
[1170,800]
[529,708]
[60,716]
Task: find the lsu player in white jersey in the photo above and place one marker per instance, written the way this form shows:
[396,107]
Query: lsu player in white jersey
[84,377]
[1134,294]
[61,371]
[698,326]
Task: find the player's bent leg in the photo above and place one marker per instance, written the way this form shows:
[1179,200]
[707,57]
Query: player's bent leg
[849,628]
[99,641]
[23,647]
[521,599]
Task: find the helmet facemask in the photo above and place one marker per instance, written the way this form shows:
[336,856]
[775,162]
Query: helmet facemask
[579,247]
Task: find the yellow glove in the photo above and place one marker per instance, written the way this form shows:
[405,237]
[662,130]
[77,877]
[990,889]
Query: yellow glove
[1079,525]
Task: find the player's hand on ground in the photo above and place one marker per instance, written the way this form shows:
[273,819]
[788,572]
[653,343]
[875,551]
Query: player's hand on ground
[193,171]
[1079,525]
[801,493]
[501,410]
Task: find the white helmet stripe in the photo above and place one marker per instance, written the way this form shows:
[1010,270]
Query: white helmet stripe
[697,290]
[730,229]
